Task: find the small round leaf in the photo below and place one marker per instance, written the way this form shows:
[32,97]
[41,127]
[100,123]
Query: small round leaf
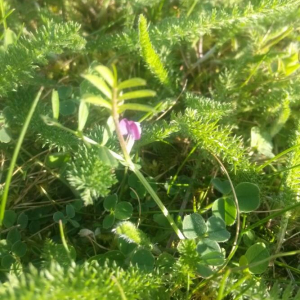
[249,238]
[22,220]
[125,247]
[255,254]
[213,258]
[248,196]
[225,209]
[108,221]
[59,216]
[13,236]
[67,107]
[110,202]
[19,248]
[7,261]
[204,270]
[221,186]
[206,246]
[143,259]
[70,211]
[194,226]
[123,210]
[217,229]
[9,218]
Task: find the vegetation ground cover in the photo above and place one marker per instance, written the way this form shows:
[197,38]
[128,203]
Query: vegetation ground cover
[149,149]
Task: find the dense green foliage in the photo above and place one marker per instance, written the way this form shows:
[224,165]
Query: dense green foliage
[204,204]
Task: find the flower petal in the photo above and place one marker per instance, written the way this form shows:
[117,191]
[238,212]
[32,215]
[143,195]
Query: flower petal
[134,129]
[124,126]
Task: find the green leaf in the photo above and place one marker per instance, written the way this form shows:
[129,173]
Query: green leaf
[9,218]
[111,258]
[7,261]
[256,253]
[194,226]
[223,186]
[57,160]
[67,108]
[106,74]
[107,157]
[143,259]
[100,84]
[249,238]
[125,247]
[74,223]
[110,202]
[213,258]
[19,248]
[108,221]
[70,211]
[59,216]
[204,270]
[216,229]
[4,136]
[262,141]
[137,94]
[166,262]
[225,209]
[55,104]
[130,83]
[108,130]
[248,196]
[22,220]
[13,236]
[83,113]
[206,245]
[135,106]
[123,210]
[96,100]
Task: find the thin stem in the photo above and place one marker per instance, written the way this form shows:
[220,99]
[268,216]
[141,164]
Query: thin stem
[15,155]
[62,236]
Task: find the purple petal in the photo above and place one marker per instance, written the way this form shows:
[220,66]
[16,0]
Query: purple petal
[134,129]
[124,126]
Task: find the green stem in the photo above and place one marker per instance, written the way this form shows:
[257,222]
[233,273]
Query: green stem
[164,210]
[62,236]
[15,155]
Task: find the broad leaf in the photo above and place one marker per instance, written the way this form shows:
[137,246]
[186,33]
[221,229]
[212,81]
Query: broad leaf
[207,245]
[110,202]
[255,254]
[225,209]
[123,210]
[216,229]
[100,84]
[248,196]
[137,94]
[194,226]
[130,83]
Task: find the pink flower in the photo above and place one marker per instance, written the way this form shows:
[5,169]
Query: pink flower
[130,128]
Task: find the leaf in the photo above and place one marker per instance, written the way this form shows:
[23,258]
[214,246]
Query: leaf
[106,156]
[137,94]
[194,226]
[256,253]
[100,84]
[249,238]
[108,221]
[166,262]
[110,259]
[74,223]
[123,210]
[96,100]
[67,108]
[216,229]
[70,211]
[125,247]
[261,141]
[9,218]
[206,245]
[248,196]
[223,186]
[225,209]
[108,130]
[83,113]
[130,83]
[59,216]
[204,270]
[213,258]
[7,261]
[55,104]
[13,236]
[106,74]
[22,220]
[4,136]
[110,202]
[136,106]
[143,259]
[19,248]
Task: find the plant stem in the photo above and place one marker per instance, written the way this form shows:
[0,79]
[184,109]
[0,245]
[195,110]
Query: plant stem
[62,236]
[131,165]
[15,155]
